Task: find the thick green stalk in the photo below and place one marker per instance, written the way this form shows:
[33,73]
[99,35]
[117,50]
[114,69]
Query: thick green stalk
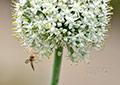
[56,66]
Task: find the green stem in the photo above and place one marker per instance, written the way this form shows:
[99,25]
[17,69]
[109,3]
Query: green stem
[56,66]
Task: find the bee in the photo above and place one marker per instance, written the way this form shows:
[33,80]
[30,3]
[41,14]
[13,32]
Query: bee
[31,60]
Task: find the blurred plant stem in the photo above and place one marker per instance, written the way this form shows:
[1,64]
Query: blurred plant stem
[56,66]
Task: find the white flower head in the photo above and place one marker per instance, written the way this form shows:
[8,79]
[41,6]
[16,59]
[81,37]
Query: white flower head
[79,25]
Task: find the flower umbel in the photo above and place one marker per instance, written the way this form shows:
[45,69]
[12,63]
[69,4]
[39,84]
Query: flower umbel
[78,25]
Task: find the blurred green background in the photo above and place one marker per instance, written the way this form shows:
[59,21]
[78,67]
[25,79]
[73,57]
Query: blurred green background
[104,69]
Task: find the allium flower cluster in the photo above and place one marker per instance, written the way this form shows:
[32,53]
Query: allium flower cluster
[78,25]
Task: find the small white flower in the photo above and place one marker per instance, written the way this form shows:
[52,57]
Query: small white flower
[59,24]
[22,2]
[52,29]
[64,30]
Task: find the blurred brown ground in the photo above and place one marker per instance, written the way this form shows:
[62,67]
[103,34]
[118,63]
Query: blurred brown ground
[103,70]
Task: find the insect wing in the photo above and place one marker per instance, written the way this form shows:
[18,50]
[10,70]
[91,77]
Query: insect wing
[37,60]
[27,61]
